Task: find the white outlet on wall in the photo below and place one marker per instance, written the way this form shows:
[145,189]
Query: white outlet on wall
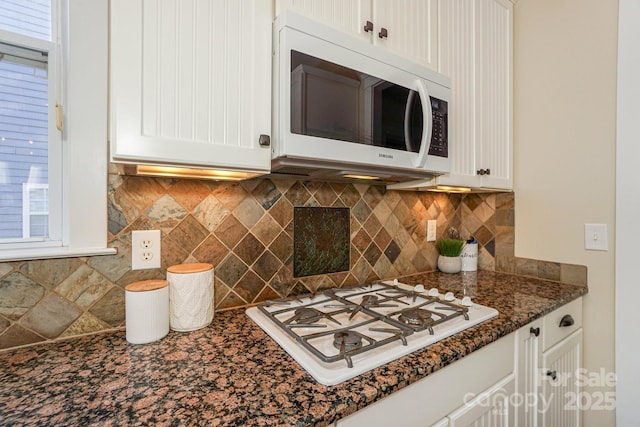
[145,249]
[431,230]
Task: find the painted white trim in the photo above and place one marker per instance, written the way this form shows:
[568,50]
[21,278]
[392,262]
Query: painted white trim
[627,213]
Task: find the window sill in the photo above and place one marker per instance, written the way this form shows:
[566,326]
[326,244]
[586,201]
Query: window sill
[47,253]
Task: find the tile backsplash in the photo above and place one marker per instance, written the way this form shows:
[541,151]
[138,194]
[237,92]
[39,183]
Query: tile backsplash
[246,231]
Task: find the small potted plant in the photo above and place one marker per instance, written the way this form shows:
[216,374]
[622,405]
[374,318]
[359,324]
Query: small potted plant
[449,260]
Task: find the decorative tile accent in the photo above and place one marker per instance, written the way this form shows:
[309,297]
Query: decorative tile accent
[320,241]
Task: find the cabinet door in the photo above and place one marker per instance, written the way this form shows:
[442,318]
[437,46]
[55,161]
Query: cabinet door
[349,16]
[476,53]
[528,349]
[191,83]
[494,115]
[412,28]
[489,409]
[560,397]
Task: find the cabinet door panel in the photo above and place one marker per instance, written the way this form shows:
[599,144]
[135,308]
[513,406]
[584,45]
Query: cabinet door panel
[528,349]
[562,394]
[190,82]
[494,115]
[347,15]
[490,409]
[412,27]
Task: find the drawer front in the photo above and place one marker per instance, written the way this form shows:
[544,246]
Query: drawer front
[552,332]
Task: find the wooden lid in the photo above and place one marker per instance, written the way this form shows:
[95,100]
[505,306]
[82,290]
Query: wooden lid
[189,268]
[146,285]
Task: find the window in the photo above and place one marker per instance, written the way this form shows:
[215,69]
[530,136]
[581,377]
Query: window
[53,108]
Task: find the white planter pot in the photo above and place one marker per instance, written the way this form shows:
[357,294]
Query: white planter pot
[447,264]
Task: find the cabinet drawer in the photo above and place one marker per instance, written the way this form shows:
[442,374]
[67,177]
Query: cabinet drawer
[553,332]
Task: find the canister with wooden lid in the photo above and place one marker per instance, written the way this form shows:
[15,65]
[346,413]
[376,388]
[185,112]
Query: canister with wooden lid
[146,311]
[190,296]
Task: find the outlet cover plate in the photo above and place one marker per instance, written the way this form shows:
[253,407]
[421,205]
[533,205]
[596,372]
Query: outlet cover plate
[145,249]
[431,230]
[595,237]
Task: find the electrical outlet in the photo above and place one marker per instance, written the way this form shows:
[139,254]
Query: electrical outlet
[145,249]
[431,230]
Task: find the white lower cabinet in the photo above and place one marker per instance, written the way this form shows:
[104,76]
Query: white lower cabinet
[528,378]
[548,361]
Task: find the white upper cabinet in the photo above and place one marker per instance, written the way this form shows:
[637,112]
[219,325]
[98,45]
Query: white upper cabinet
[476,53]
[407,27]
[191,83]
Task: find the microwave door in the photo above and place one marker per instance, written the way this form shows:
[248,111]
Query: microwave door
[427,112]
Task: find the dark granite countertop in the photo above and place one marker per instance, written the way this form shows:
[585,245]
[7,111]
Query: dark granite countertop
[231,373]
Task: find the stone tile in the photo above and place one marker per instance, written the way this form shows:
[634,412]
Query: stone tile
[361,270]
[139,275]
[392,251]
[266,294]
[86,324]
[338,278]
[361,240]
[298,194]
[421,263]
[282,281]
[282,183]
[382,239]
[110,308]
[483,212]
[573,274]
[505,264]
[17,335]
[325,195]
[372,225]
[249,287]
[401,211]
[382,211]
[4,324]
[51,316]
[472,201]
[230,270]
[172,253]
[113,267]
[350,196]
[166,213]
[267,265]
[248,212]
[5,268]
[549,270]
[211,251]
[527,267]
[282,247]
[136,194]
[485,260]
[231,231]
[372,254]
[116,221]
[266,229]
[505,201]
[49,273]
[282,212]
[266,193]
[189,233]
[230,194]
[361,211]
[189,193]
[373,196]
[250,184]
[18,294]
[210,212]
[84,287]
[392,225]
[490,247]
[505,218]
[504,241]
[249,249]
[231,300]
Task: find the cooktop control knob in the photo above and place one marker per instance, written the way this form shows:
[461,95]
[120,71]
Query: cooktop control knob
[395,282]
[418,288]
[449,296]
[466,301]
[433,292]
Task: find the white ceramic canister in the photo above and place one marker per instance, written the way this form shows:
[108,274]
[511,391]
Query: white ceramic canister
[146,311]
[469,256]
[190,296]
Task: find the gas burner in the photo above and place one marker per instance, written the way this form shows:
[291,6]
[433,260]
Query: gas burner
[417,318]
[307,317]
[347,341]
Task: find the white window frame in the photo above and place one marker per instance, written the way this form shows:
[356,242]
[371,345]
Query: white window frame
[78,222]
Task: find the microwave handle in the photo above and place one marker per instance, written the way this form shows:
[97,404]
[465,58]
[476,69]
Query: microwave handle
[428,119]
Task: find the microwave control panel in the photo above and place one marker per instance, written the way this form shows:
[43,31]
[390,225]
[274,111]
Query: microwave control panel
[439,134]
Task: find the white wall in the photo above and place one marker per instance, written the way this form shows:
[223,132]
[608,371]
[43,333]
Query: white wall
[627,214]
[564,134]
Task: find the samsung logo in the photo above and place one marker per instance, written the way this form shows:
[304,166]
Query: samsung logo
[386,156]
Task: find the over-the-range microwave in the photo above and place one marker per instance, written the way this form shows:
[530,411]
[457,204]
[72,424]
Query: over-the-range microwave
[344,108]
